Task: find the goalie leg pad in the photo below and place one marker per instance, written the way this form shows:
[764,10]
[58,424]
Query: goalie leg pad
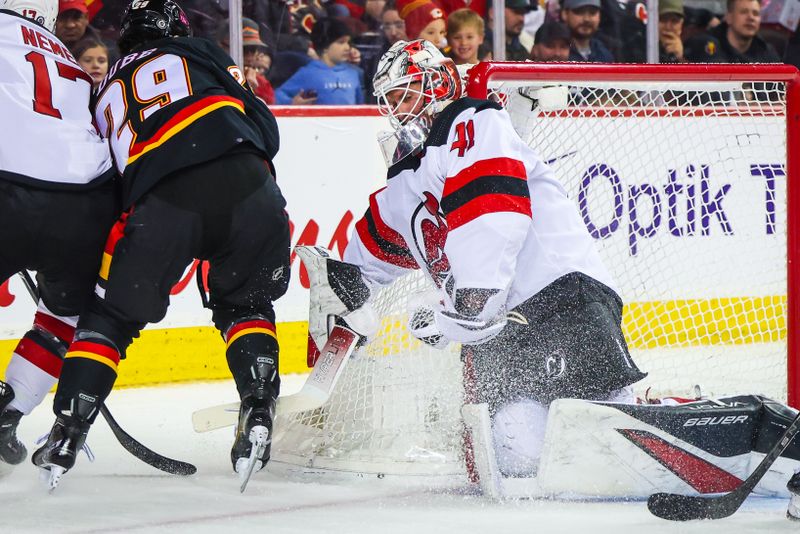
[518,430]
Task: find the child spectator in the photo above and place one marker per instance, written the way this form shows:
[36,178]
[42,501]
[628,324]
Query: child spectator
[330,80]
[465,32]
[92,56]
[424,20]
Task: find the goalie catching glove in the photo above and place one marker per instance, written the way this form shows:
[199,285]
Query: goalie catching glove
[470,316]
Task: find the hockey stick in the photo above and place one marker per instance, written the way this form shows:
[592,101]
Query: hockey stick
[684,508]
[148,456]
[315,392]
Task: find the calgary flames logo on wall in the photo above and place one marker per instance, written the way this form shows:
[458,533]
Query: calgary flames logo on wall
[429,231]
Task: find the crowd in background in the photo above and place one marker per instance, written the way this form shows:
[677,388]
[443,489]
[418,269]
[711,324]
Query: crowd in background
[305,52]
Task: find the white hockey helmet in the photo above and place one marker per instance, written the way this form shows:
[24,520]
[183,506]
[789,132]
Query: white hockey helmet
[43,12]
[419,71]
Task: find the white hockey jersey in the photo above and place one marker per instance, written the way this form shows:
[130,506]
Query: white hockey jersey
[476,209]
[47,137]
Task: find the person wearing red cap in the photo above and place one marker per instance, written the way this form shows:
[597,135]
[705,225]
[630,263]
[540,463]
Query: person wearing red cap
[72,23]
[424,20]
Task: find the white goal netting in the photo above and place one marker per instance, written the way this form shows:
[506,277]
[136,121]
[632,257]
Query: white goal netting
[682,182]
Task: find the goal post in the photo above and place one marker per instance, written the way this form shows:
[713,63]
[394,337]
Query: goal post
[683,176]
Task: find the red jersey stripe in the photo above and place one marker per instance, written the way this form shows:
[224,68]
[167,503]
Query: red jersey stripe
[487,167]
[384,231]
[364,234]
[487,204]
[181,120]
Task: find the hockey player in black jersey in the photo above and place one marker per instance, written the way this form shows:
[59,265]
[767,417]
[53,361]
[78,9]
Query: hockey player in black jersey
[194,148]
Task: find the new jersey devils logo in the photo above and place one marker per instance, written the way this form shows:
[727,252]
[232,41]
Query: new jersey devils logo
[430,234]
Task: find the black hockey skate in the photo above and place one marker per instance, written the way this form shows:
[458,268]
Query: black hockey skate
[252,444]
[793,512]
[12,451]
[66,439]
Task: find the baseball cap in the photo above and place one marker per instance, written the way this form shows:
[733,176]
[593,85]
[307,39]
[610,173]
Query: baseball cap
[670,6]
[576,4]
[552,31]
[78,5]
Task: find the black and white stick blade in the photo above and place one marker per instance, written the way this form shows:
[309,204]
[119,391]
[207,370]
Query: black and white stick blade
[686,508]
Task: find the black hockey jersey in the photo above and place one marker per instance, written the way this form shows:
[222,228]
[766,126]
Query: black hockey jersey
[177,103]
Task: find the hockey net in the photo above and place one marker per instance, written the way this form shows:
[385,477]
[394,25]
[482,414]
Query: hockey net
[680,174]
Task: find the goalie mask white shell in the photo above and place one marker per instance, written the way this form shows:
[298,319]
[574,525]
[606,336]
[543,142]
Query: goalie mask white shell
[43,12]
[414,71]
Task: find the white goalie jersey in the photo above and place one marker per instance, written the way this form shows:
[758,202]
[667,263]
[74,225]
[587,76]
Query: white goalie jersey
[48,138]
[477,209]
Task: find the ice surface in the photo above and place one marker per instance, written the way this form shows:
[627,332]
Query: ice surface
[118,493]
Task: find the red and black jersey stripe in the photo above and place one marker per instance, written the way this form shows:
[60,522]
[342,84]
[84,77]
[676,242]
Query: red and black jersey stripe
[488,186]
[382,241]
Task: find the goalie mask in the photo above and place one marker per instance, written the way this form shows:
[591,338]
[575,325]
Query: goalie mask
[148,20]
[43,12]
[413,83]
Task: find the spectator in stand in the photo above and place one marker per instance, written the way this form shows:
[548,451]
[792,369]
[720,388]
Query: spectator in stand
[552,41]
[257,57]
[392,26]
[330,80]
[697,21]
[582,17]
[670,28]
[393,29]
[465,32]
[92,56]
[518,42]
[735,40]
[72,23]
[373,10]
[424,20]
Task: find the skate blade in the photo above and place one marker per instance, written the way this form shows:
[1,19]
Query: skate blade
[259,437]
[51,476]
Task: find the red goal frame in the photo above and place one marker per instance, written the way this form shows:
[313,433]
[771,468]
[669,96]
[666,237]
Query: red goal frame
[483,73]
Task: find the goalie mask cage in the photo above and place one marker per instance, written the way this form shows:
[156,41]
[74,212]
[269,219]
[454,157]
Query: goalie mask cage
[682,175]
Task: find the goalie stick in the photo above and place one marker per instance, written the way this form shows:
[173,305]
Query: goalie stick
[315,392]
[148,456]
[684,507]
